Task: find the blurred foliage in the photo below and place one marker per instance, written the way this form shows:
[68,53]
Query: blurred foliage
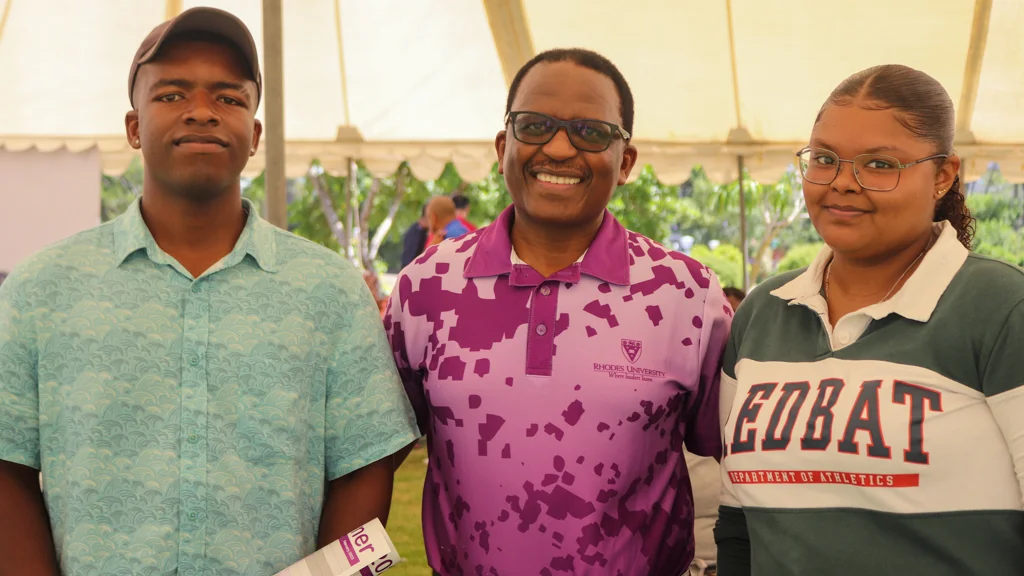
[799,256]
[724,261]
[689,217]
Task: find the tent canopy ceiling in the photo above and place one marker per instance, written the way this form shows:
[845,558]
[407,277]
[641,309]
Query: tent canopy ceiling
[426,82]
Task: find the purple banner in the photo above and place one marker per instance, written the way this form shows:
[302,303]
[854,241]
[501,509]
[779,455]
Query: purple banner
[350,552]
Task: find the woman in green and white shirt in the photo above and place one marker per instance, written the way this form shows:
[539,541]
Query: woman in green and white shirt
[872,404]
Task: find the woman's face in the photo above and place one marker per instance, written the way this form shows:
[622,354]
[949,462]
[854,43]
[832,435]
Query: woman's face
[866,224]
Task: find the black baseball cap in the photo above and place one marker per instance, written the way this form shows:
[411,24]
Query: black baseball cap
[200,19]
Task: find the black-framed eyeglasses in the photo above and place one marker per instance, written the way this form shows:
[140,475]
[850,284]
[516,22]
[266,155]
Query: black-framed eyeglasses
[876,172]
[586,134]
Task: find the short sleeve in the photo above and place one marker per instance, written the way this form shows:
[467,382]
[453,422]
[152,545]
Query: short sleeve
[401,332]
[368,414]
[19,389]
[703,435]
[1002,381]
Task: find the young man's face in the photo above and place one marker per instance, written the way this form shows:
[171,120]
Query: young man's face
[195,120]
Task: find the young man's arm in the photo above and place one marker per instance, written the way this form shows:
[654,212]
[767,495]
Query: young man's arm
[26,544]
[369,418]
[355,499]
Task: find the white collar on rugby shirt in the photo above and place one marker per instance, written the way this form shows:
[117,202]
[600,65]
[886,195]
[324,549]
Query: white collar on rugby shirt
[916,300]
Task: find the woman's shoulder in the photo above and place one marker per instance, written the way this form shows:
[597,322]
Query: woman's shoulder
[987,283]
[761,298]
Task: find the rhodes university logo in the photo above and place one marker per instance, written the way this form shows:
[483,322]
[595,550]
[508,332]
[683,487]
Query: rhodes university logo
[632,349]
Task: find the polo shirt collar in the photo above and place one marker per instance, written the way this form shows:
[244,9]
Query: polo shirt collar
[607,258]
[258,239]
[918,297]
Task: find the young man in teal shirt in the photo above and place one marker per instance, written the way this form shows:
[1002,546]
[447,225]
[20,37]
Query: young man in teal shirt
[204,393]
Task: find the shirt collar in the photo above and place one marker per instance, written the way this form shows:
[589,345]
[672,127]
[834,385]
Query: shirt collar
[916,300]
[258,239]
[607,258]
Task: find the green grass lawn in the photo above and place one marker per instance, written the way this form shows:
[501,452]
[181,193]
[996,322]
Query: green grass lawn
[404,522]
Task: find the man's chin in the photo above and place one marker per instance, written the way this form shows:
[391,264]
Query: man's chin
[561,219]
[204,187]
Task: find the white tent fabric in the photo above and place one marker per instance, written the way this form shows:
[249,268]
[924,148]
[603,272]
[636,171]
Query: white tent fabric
[426,81]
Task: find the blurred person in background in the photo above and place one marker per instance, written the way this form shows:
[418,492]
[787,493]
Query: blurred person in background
[706,483]
[442,220]
[203,392]
[872,402]
[462,211]
[414,241]
[735,296]
[373,283]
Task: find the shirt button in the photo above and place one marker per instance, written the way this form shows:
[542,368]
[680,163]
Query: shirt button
[844,338]
[192,515]
[193,438]
[542,330]
[193,360]
[545,290]
[195,287]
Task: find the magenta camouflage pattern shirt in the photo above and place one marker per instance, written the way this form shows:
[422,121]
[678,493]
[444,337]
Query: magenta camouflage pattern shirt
[556,409]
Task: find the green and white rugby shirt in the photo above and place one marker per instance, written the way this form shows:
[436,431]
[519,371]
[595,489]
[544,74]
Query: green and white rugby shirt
[891,444]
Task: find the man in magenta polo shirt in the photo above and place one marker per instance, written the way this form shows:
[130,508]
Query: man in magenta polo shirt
[557,361]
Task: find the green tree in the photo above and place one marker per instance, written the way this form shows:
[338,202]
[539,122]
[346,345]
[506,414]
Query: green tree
[995,208]
[771,210]
[648,207]
[997,239]
[799,256]
[366,222]
[724,261]
[118,192]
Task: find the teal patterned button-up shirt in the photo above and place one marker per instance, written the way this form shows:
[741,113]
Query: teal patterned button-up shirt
[189,425]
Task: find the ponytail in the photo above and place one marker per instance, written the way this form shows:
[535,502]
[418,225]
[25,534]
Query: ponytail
[953,207]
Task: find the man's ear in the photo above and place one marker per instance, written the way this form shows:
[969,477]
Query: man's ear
[499,147]
[131,129]
[257,131]
[628,161]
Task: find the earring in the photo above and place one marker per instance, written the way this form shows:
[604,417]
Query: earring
[137,142]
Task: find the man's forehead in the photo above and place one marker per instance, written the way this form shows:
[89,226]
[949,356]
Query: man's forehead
[567,85]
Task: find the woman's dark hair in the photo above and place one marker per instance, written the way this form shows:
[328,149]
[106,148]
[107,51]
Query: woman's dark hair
[735,293]
[925,109]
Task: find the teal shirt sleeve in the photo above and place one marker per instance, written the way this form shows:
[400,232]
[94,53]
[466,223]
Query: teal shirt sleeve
[19,389]
[368,413]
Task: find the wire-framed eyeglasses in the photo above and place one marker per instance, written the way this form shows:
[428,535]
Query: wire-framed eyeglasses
[585,134]
[876,172]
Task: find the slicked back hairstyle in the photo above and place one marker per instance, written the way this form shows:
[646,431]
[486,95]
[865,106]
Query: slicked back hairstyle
[924,108]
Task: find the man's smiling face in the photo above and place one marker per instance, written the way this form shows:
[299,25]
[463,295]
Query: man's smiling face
[556,184]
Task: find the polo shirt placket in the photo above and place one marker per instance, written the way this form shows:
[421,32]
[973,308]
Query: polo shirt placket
[540,338]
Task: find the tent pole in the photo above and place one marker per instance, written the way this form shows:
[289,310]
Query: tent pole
[273,113]
[743,223]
